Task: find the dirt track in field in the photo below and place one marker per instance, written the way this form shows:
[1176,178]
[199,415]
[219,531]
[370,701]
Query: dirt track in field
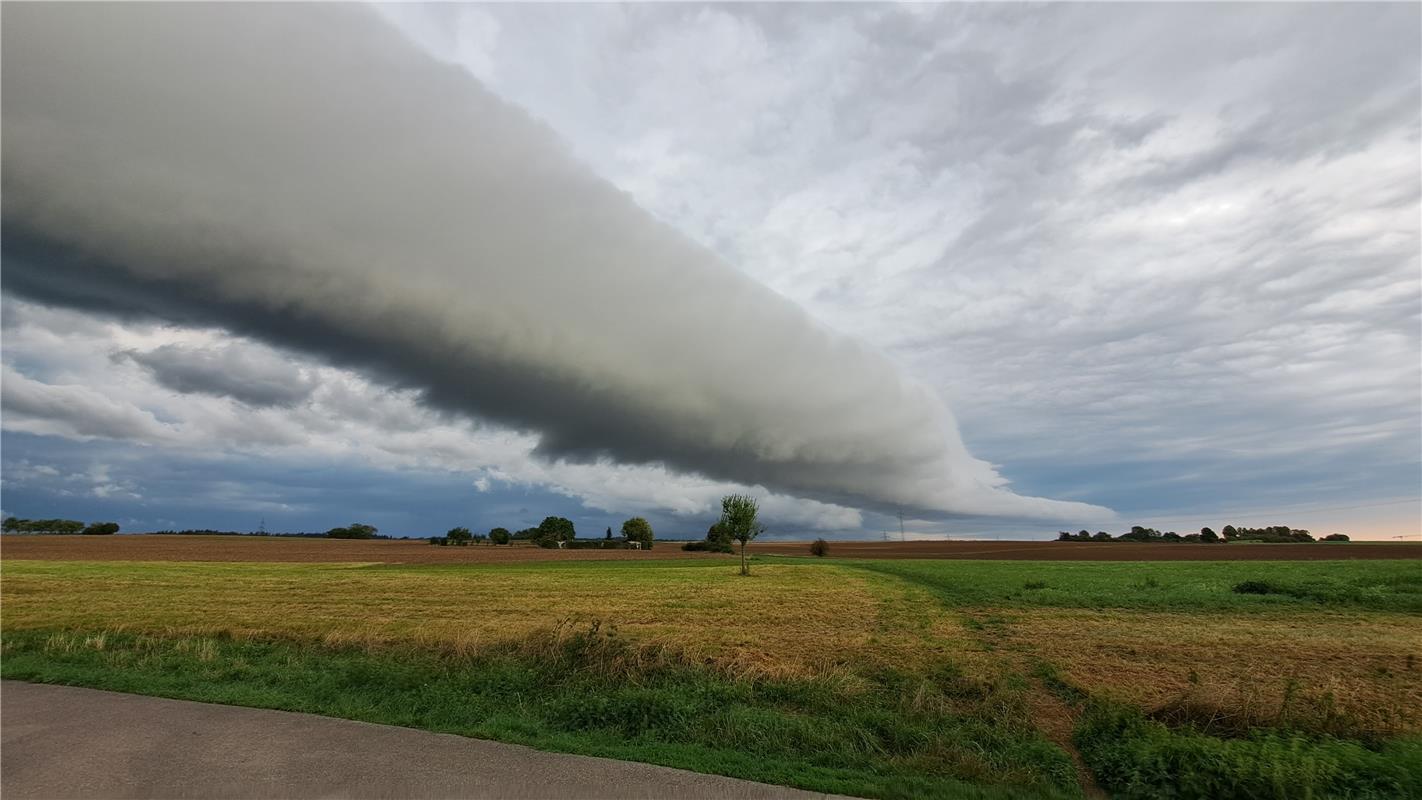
[254,548]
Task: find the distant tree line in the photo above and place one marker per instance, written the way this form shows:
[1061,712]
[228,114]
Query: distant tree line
[58,527]
[554,532]
[1275,534]
[356,530]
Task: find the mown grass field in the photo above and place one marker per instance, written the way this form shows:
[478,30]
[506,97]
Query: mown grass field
[879,678]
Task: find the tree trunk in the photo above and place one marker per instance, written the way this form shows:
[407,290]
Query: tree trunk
[744,569]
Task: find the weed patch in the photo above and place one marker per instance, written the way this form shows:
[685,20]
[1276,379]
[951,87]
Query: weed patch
[1132,756]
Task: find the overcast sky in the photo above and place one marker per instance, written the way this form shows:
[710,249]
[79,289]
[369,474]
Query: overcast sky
[1156,261]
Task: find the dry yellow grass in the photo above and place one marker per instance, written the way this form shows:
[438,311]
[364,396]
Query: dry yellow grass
[812,619]
[784,620]
[1368,664]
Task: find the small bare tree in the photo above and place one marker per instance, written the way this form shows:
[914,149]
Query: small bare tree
[738,518]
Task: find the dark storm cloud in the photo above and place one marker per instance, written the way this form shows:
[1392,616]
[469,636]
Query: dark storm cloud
[305,176]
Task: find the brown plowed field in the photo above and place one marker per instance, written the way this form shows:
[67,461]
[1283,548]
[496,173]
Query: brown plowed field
[1100,551]
[294,549]
[242,548]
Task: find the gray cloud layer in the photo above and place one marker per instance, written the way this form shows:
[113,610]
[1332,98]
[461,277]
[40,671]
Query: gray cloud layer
[306,176]
[69,410]
[257,380]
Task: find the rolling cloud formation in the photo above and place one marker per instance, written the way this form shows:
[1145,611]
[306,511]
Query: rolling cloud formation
[306,176]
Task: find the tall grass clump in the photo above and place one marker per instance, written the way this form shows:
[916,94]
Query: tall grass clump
[1132,756]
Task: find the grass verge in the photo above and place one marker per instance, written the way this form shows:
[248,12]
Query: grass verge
[591,692]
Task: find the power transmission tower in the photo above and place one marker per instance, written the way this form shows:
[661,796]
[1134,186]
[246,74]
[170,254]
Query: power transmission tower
[901,526]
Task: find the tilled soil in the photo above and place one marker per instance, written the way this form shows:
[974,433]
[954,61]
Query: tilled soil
[1101,551]
[271,548]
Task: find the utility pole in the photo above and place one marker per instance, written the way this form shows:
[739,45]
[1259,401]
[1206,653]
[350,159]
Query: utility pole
[901,525]
[262,528]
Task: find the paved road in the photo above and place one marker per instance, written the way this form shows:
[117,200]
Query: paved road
[66,742]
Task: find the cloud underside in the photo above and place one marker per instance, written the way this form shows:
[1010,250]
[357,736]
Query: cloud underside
[345,196]
[91,384]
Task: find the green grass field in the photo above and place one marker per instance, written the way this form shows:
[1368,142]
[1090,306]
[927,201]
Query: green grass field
[877,678]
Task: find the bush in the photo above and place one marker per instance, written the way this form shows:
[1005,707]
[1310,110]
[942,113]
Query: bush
[1336,537]
[499,535]
[102,529]
[439,540]
[819,547]
[459,536]
[705,546]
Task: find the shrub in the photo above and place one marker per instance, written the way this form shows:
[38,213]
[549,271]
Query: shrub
[459,536]
[102,529]
[438,540]
[819,547]
[499,535]
[1336,537]
[708,546]
[719,536]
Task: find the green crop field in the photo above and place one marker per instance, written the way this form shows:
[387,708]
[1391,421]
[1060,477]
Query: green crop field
[876,678]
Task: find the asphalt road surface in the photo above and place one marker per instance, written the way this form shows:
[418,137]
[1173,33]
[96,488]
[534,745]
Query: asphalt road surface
[67,742]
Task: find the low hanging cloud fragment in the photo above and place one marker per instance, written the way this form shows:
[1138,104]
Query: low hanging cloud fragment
[254,378]
[304,175]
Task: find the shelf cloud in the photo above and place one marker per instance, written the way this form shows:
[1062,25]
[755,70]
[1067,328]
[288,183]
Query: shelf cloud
[306,176]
